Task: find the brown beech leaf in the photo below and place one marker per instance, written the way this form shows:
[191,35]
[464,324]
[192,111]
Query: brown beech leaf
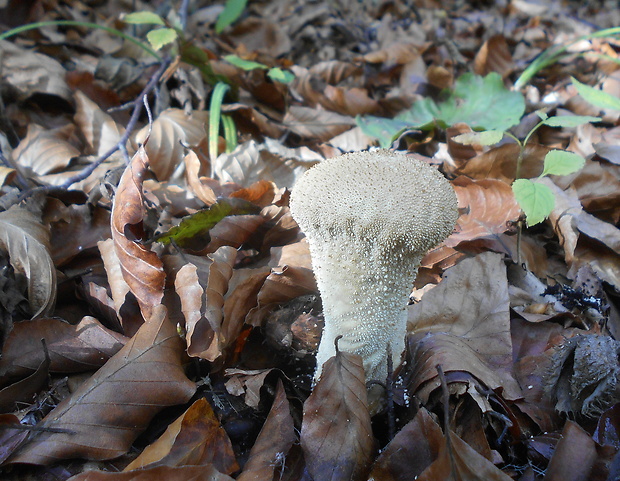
[494,56]
[463,324]
[74,228]
[45,151]
[118,287]
[501,163]
[85,346]
[167,473]
[26,241]
[171,130]
[202,302]
[273,443]
[11,435]
[316,124]
[24,391]
[195,438]
[192,174]
[100,130]
[412,450]
[461,463]
[491,208]
[102,418]
[142,269]
[574,455]
[336,435]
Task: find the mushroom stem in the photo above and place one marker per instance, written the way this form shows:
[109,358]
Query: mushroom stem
[369,308]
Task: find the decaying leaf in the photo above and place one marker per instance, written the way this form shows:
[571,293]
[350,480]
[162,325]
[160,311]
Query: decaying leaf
[106,413]
[336,435]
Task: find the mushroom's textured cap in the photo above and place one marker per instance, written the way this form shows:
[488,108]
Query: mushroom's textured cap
[389,198]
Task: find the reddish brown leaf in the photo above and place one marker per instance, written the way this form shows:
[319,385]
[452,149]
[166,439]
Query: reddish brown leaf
[195,438]
[72,348]
[142,269]
[462,464]
[336,435]
[491,209]
[574,455]
[411,451]
[273,442]
[106,413]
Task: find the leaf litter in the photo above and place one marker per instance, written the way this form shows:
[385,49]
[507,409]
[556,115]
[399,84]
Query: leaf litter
[158,311]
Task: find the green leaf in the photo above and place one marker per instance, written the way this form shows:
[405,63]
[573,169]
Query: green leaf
[161,37]
[197,226]
[486,137]
[380,128]
[570,120]
[232,11]
[542,114]
[143,18]
[536,200]
[244,64]
[483,103]
[279,75]
[561,162]
[596,97]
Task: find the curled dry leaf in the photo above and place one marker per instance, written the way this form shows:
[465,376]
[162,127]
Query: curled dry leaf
[171,130]
[463,324]
[202,302]
[102,418]
[100,130]
[72,348]
[494,56]
[26,241]
[273,443]
[192,174]
[194,438]
[336,435]
[118,287]
[491,209]
[142,269]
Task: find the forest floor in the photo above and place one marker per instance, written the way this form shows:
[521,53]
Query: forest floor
[159,316]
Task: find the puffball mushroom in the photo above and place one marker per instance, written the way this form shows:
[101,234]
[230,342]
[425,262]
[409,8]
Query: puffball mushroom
[369,218]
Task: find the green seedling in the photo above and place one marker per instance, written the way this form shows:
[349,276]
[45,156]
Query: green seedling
[232,11]
[276,73]
[535,199]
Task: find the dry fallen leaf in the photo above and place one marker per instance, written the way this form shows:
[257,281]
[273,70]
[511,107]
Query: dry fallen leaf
[463,324]
[26,241]
[336,435]
[142,269]
[101,419]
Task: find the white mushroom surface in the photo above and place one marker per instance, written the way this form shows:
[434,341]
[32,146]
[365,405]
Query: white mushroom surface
[369,218]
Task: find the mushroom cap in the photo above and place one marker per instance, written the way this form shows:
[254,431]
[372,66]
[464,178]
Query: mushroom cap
[396,202]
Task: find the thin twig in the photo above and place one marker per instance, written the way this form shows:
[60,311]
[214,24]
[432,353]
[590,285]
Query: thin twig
[120,145]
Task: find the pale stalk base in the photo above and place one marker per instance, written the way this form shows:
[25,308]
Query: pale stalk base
[369,306]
